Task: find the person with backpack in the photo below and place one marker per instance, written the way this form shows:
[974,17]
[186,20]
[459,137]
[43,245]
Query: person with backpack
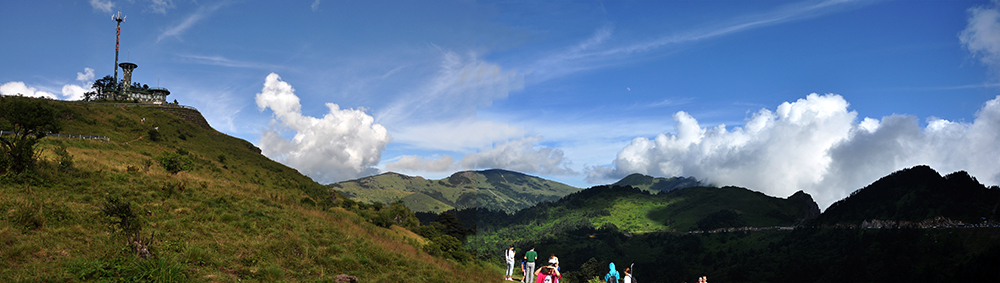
[612,276]
[628,276]
[530,257]
[509,257]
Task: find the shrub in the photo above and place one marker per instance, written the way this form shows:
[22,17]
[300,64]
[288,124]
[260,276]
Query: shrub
[174,162]
[65,159]
[154,135]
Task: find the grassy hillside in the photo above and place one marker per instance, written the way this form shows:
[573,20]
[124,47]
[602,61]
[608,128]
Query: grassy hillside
[491,189]
[229,214]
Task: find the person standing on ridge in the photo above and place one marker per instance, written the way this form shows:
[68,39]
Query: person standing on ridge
[530,257]
[509,256]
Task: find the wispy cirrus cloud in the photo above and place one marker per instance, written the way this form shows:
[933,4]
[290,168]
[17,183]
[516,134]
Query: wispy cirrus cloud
[102,5]
[160,6]
[595,52]
[189,21]
[226,62]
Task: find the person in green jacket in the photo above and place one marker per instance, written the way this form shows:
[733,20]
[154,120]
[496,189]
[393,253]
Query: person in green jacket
[530,257]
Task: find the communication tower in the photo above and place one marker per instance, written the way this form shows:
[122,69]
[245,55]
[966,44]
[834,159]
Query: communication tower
[118,31]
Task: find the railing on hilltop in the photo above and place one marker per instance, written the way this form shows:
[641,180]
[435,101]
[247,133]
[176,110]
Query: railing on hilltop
[91,137]
[139,104]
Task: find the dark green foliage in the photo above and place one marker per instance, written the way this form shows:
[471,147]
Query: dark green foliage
[588,270]
[120,216]
[103,88]
[721,219]
[175,162]
[916,194]
[154,135]
[29,119]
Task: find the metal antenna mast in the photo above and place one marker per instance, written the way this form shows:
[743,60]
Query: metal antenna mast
[118,31]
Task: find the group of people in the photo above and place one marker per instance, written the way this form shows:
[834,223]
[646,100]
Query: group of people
[544,274]
[551,273]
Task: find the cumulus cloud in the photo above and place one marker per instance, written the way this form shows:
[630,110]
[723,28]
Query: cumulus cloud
[982,35]
[102,5]
[523,155]
[813,144]
[69,91]
[19,88]
[343,144]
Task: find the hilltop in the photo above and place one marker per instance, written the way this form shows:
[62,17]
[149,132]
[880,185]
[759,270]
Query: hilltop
[215,208]
[489,189]
[657,184]
[917,194]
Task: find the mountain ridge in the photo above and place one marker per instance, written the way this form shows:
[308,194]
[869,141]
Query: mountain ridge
[496,189]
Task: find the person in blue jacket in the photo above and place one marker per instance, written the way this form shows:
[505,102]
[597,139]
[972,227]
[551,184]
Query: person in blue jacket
[612,276]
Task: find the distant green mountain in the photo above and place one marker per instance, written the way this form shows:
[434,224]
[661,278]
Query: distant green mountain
[917,194]
[656,184]
[634,211]
[491,189]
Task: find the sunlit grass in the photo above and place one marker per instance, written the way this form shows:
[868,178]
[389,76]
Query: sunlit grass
[237,218]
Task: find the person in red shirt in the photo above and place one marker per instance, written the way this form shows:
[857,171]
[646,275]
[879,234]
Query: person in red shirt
[547,274]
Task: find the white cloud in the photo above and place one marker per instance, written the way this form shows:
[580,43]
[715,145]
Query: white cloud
[523,155]
[343,144]
[982,35]
[69,91]
[86,76]
[19,88]
[102,5]
[413,163]
[73,92]
[815,145]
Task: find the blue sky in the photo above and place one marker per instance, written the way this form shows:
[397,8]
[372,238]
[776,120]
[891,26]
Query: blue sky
[776,96]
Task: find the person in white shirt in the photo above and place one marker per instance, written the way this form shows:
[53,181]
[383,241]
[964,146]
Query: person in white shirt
[509,256]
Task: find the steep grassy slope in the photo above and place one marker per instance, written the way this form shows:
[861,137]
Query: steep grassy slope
[230,215]
[492,189]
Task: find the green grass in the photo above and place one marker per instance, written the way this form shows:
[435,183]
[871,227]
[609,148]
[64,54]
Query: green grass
[238,218]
